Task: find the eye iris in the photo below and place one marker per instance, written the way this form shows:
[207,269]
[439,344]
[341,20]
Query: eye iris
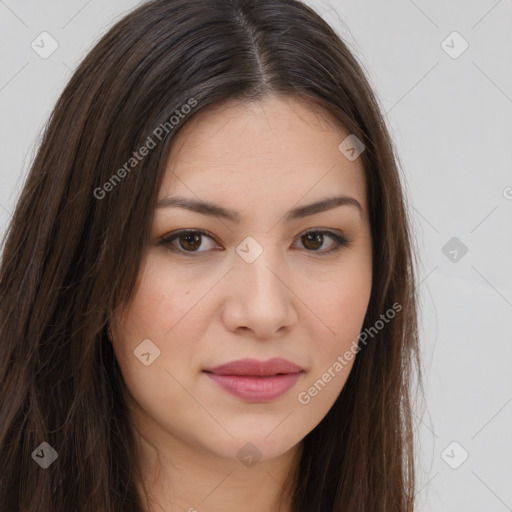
[315,238]
[191,238]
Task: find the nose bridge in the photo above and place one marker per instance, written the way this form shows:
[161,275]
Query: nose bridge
[264,300]
[259,262]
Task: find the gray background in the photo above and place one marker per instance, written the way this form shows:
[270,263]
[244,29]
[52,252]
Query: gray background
[451,120]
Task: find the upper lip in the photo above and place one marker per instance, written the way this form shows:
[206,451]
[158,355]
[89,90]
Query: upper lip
[254,367]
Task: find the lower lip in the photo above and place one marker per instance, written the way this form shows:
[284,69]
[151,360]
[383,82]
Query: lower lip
[256,389]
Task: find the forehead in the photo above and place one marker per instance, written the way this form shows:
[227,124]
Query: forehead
[276,150]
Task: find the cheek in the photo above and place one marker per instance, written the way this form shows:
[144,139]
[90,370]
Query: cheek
[340,302]
[162,301]
[167,309]
[158,314]
[344,306]
[341,305]
[342,309]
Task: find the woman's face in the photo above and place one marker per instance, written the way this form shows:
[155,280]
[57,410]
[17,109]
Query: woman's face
[259,285]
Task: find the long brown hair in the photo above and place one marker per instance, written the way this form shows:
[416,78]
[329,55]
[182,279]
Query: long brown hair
[72,254]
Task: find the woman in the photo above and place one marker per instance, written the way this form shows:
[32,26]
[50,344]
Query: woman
[207,287]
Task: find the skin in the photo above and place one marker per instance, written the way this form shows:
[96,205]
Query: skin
[260,159]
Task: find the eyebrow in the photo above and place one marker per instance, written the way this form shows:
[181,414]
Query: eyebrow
[214,210]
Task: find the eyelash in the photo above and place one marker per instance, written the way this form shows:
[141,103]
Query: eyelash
[168,239]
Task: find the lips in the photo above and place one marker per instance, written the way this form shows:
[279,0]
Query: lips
[253,367]
[256,381]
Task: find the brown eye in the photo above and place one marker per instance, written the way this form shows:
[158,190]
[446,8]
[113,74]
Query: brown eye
[187,242]
[313,241]
[190,242]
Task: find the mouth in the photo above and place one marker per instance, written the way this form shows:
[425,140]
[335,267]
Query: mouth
[256,381]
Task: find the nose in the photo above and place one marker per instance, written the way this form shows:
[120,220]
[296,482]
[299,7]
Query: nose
[260,298]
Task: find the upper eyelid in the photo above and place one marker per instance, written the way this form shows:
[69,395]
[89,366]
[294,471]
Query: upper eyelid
[176,234]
